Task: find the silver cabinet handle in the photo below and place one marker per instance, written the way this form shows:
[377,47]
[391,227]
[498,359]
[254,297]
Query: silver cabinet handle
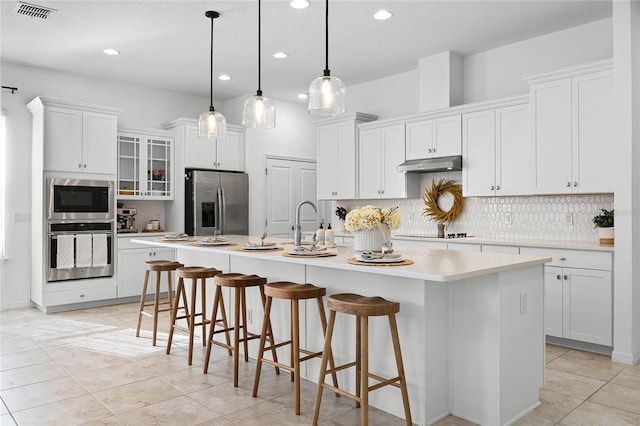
[562,258]
[558,277]
[85,165]
[429,150]
[498,188]
[434,150]
[568,184]
[575,183]
[566,277]
[492,187]
[382,192]
[79,165]
[81,294]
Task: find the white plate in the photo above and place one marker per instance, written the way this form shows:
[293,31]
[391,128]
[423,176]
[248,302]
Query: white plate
[176,237]
[382,260]
[307,252]
[213,243]
[271,247]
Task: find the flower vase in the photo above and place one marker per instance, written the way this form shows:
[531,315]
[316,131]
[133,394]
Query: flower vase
[371,239]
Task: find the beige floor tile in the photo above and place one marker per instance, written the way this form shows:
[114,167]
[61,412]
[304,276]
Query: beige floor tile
[554,406]
[23,359]
[31,374]
[6,420]
[3,408]
[219,421]
[12,345]
[77,360]
[571,384]
[591,414]
[106,421]
[618,396]
[72,411]
[181,410]
[193,379]
[628,377]
[37,394]
[106,378]
[586,364]
[552,352]
[453,421]
[376,417]
[136,395]
[226,399]
[269,413]
[535,419]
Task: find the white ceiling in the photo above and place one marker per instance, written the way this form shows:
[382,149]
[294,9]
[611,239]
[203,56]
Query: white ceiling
[165,44]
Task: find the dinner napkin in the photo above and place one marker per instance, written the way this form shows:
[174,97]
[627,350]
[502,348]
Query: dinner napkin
[100,250]
[84,248]
[65,255]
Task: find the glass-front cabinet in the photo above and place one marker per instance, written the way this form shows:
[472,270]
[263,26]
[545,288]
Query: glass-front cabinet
[145,164]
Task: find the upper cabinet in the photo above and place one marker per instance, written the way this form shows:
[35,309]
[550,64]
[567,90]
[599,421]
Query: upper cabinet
[203,153]
[337,156]
[381,151]
[145,164]
[438,137]
[74,136]
[496,150]
[571,113]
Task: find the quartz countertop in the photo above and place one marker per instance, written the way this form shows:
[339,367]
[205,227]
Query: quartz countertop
[429,264]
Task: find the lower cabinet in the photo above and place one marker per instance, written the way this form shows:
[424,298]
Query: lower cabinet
[577,299]
[131,269]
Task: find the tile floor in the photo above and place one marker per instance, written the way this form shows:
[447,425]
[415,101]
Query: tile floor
[87,367]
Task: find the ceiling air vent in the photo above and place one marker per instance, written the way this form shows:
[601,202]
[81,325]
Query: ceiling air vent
[33,11]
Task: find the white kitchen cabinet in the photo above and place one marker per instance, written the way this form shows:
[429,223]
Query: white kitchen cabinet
[145,164]
[571,113]
[496,152]
[337,156]
[381,151]
[203,153]
[439,137]
[578,295]
[74,137]
[131,267]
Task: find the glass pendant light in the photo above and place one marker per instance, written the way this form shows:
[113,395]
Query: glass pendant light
[259,111]
[327,94]
[212,124]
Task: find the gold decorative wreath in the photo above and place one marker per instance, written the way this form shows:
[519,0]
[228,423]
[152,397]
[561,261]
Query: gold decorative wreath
[430,199]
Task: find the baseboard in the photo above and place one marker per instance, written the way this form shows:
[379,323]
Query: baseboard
[625,357]
[583,346]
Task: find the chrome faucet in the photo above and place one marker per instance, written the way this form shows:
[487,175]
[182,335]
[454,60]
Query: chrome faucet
[297,229]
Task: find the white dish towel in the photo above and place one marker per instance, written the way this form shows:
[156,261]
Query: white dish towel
[84,248]
[100,250]
[65,256]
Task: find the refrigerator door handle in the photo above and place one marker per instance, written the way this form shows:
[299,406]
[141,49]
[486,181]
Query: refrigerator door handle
[221,210]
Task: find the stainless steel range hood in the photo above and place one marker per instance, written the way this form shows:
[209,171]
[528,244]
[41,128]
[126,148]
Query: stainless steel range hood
[425,165]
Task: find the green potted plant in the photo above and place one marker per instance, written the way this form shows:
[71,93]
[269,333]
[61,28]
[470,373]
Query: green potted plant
[604,222]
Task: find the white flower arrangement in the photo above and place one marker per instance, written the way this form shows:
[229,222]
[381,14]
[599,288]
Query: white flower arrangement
[370,217]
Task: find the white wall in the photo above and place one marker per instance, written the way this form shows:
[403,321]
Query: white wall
[293,137]
[142,106]
[387,97]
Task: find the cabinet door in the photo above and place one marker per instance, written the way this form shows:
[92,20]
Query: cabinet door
[513,151]
[230,152]
[327,155]
[394,183]
[587,310]
[131,270]
[551,119]
[198,152]
[370,163]
[593,161]
[478,171]
[447,136]
[346,157]
[553,291]
[100,151]
[129,165]
[159,168]
[419,143]
[63,140]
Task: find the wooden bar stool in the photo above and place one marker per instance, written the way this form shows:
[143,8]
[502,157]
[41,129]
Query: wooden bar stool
[239,282]
[362,307]
[194,273]
[293,292]
[158,266]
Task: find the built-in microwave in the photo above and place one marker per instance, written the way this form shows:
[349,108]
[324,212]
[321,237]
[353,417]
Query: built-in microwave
[79,199]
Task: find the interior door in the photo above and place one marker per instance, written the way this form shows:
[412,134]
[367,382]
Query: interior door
[290,182]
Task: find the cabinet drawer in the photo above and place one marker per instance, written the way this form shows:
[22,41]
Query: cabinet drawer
[80,295]
[572,258]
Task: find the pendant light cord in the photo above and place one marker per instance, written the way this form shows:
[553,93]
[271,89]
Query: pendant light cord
[211,108]
[259,92]
[326,38]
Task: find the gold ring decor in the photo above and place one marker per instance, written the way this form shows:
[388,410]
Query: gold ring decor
[430,198]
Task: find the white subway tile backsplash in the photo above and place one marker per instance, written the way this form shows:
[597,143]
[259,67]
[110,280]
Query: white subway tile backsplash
[553,217]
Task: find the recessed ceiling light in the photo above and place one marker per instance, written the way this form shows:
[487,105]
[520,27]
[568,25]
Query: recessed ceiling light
[302,96]
[299,4]
[280,55]
[382,15]
[224,77]
[112,52]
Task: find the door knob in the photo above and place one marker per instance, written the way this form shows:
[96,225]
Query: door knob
[558,277]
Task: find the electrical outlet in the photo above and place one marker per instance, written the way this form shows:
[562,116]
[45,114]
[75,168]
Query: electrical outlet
[507,218]
[22,218]
[523,303]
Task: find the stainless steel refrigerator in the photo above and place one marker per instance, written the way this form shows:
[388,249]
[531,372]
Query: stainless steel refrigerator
[216,202]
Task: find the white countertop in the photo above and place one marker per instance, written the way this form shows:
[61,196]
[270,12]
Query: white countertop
[429,264]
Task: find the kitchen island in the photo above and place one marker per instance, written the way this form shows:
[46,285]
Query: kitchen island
[471,324]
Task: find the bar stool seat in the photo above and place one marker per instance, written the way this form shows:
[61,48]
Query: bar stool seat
[239,282]
[293,292]
[157,266]
[362,307]
[197,274]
